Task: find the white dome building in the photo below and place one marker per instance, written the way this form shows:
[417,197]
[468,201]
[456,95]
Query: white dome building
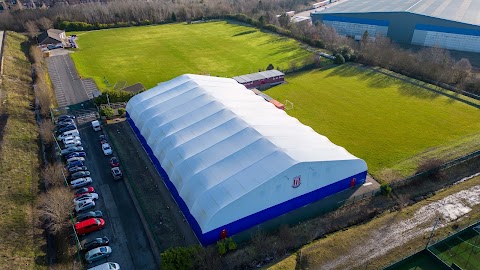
[232,160]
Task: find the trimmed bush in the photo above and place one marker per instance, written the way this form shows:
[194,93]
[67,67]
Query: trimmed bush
[107,112]
[178,258]
[339,59]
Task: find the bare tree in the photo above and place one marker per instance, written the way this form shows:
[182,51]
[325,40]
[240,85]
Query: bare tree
[46,131]
[45,23]
[461,70]
[56,206]
[31,28]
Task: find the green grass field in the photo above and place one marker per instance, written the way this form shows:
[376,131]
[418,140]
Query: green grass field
[385,121]
[463,250]
[153,54]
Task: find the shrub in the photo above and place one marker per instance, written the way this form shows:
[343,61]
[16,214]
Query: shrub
[122,111]
[339,59]
[52,175]
[113,96]
[386,189]
[221,247]
[178,258]
[107,112]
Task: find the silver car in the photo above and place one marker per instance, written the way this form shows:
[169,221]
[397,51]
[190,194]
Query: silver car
[98,253]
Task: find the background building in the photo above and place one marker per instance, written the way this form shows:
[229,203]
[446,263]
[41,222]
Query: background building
[232,160]
[449,24]
[261,80]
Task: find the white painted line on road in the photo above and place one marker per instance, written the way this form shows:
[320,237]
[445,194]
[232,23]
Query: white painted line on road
[367,184]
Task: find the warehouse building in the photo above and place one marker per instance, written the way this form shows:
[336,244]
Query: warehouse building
[448,24]
[230,159]
[261,80]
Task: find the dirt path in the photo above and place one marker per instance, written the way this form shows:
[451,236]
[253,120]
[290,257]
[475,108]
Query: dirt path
[399,232]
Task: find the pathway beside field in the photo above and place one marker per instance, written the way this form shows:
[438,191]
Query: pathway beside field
[69,87]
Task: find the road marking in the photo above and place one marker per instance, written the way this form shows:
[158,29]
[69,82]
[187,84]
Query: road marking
[367,184]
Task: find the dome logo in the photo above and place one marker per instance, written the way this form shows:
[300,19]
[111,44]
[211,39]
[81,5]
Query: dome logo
[296,181]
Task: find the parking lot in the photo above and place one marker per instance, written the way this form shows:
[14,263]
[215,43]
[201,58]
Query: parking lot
[128,240]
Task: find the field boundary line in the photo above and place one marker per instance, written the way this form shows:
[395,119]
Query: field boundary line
[413,81]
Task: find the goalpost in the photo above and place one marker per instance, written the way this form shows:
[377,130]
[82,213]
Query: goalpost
[288,105]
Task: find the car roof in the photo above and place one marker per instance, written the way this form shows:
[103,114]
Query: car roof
[86,222]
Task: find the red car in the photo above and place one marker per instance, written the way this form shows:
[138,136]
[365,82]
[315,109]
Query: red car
[84,190]
[114,162]
[89,225]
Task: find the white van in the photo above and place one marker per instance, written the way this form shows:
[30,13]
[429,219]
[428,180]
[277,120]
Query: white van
[96,125]
[106,266]
[69,133]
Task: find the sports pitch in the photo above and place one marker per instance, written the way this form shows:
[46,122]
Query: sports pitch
[385,121]
[152,54]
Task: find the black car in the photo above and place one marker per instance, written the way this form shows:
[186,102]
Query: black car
[77,169]
[65,117]
[66,123]
[79,174]
[84,190]
[103,139]
[75,164]
[91,214]
[94,243]
[67,128]
[76,154]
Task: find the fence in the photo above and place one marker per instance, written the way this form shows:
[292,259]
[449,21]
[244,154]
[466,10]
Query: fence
[442,167]
[419,254]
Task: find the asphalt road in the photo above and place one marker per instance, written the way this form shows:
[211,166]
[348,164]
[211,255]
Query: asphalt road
[130,246]
[69,88]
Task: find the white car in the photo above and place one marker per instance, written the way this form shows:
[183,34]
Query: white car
[69,138]
[107,150]
[98,253]
[85,205]
[81,182]
[72,143]
[106,266]
[85,197]
[69,133]
[72,159]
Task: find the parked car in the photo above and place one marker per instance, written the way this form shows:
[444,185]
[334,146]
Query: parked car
[85,205]
[72,132]
[81,182]
[91,214]
[71,138]
[81,191]
[76,154]
[70,150]
[77,169]
[65,123]
[72,159]
[77,163]
[114,162]
[107,150]
[65,116]
[103,139]
[89,225]
[116,173]
[79,174]
[96,125]
[67,128]
[72,143]
[85,197]
[106,266]
[97,242]
[98,253]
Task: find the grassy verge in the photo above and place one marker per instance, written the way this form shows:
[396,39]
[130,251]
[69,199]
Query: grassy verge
[19,162]
[152,54]
[336,245]
[387,122]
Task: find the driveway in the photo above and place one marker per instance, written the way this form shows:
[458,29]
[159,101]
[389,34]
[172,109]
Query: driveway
[69,88]
[127,236]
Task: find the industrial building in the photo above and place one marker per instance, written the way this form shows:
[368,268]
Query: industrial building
[448,24]
[231,160]
[261,80]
